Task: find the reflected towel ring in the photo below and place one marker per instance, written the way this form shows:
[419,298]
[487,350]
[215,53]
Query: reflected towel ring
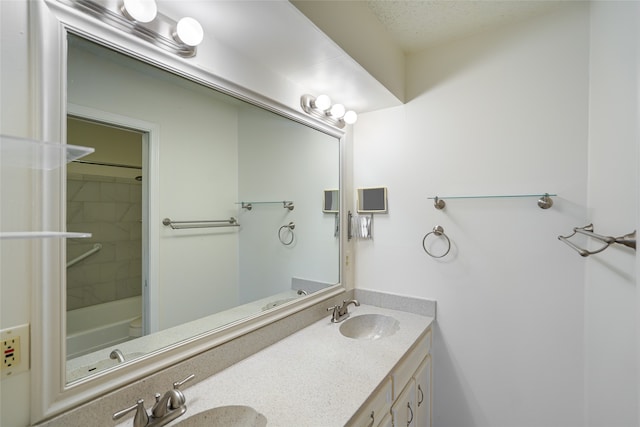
[438,231]
[289,227]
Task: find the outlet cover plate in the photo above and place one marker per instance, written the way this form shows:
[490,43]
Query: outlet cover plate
[15,350]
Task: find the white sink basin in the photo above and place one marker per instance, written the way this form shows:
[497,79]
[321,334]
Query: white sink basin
[225,416]
[369,326]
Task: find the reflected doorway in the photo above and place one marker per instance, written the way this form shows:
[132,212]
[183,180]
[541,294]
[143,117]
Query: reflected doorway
[105,273]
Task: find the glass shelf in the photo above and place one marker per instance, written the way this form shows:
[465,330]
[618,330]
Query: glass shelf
[499,196]
[42,234]
[544,200]
[27,153]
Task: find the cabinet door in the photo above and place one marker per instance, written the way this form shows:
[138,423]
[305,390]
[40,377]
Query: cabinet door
[403,410]
[423,393]
[378,405]
[387,421]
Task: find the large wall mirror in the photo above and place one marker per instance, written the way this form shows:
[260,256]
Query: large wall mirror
[206,211]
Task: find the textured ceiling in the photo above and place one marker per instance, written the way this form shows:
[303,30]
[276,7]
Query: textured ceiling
[415,25]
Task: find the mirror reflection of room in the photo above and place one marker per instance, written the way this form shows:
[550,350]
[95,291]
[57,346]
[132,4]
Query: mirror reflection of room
[203,161]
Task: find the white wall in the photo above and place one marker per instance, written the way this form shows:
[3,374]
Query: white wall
[611,286]
[504,112]
[16,276]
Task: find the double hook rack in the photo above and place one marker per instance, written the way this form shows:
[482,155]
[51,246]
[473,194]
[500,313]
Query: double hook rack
[628,240]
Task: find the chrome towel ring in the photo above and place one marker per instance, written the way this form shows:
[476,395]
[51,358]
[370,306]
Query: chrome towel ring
[289,227]
[437,231]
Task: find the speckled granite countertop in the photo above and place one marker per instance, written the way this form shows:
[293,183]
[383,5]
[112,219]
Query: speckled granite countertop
[314,377]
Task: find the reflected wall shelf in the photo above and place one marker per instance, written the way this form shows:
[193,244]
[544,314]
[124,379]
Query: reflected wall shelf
[544,200]
[38,155]
[287,204]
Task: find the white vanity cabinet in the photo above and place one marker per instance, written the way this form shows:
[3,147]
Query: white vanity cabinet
[403,411]
[422,379]
[404,398]
[412,408]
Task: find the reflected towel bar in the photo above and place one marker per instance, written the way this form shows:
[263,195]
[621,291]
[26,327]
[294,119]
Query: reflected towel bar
[208,223]
[90,252]
[628,240]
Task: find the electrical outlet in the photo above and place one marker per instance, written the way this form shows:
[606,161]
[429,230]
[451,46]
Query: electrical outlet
[14,343]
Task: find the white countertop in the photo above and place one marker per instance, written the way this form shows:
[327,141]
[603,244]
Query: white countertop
[314,377]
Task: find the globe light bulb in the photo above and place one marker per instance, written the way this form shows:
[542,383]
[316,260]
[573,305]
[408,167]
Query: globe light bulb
[140,10]
[337,111]
[322,102]
[189,32]
[350,117]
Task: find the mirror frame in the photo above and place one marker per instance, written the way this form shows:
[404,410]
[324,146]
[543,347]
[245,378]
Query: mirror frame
[50,22]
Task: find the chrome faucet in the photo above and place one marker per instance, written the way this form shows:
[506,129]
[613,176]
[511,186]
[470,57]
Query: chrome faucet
[340,313]
[117,355]
[302,292]
[166,409]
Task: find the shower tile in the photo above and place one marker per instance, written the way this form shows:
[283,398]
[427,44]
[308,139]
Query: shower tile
[75,212]
[99,211]
[100,293]
[88,192]
[129,287]
[124,250]
[135,195]
[73,186]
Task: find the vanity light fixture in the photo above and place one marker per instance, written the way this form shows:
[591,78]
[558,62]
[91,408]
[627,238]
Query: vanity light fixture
[142,19]
[320,107]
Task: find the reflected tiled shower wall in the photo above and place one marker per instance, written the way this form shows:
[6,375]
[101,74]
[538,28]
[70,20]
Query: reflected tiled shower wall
[111,209]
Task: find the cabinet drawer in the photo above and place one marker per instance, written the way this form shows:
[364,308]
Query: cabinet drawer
[405,369]
[374,409]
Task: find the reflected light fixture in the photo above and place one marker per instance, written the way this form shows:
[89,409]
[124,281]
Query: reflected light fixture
[337,111]
[322,103]
[142,19]
[140,10]
[188,31]
[320,107]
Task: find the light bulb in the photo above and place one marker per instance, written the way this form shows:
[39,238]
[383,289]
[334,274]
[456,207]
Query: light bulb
[322,102]
[350,117]
[189,32]
[140,10]
[337,111]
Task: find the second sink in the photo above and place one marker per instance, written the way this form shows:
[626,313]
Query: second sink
[369,326]
[225,416]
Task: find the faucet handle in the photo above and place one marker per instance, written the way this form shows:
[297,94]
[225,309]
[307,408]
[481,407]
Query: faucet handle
[141,418]
[179,384]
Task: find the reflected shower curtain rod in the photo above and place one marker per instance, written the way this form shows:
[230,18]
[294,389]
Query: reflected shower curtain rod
[114,165]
